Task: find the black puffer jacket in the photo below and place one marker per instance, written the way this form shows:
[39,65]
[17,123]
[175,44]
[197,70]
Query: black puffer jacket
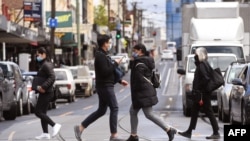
[143,93]
[104,69]
[46,71]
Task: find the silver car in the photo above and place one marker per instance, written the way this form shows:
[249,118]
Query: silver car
[223,94]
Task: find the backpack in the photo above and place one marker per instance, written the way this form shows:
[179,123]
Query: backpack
[155,78]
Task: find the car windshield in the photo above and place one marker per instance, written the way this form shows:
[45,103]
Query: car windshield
[237,50]
[61,75]
[234,72]
[221,62]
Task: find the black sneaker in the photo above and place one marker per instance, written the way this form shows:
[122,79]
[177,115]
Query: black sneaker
[171,133]
[185,134]
[78,133]
[213,136]
[133,138]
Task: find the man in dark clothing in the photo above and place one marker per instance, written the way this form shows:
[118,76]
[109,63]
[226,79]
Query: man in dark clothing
[201,78]
[104,70]
[45,91]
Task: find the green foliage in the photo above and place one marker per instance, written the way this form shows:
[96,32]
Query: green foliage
[101,17]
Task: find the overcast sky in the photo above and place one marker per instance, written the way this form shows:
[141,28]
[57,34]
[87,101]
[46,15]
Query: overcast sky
[154,10]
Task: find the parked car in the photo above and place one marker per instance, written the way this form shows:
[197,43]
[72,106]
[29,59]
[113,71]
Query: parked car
[33,96]
[65,83]
[124,64]
[15,86]
[92,73]
[83,80]
[223,94]
[1,94]
[167,54]
[239,100]
[221,60]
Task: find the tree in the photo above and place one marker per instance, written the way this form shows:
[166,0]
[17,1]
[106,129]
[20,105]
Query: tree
[101,17]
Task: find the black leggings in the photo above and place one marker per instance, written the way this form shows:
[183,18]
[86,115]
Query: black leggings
[41,111]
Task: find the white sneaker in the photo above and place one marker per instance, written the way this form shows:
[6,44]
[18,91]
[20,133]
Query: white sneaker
[43,136]
[56,129]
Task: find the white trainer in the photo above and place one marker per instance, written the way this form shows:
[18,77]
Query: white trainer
[56,129]
[43,136]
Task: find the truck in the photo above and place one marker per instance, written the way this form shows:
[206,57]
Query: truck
[217,26]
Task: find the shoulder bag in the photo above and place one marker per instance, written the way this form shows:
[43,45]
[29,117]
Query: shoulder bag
[216,80]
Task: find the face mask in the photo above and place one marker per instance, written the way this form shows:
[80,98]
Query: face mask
[39,59]
[110,47]
[196,58]
[134,54]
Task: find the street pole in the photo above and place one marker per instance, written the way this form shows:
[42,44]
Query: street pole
[52,32]
[78,32]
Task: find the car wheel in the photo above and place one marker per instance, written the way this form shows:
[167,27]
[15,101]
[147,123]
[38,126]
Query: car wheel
[20,107]
[27,108]
[11,114]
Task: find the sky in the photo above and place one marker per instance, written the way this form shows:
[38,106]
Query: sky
[154,11]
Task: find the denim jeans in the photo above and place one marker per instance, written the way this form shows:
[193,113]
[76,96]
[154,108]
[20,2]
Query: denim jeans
[107,98]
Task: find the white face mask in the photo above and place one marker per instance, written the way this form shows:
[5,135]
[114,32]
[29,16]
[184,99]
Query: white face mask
[110,47]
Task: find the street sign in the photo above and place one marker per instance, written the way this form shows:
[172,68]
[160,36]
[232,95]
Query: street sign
[53,22]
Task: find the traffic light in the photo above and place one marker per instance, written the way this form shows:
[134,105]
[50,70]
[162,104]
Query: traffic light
[118,34]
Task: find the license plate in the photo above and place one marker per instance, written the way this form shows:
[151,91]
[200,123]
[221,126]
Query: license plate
[214,102]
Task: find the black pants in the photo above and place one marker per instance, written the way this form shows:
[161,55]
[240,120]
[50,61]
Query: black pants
[41,111]
[107,99]
[208,111]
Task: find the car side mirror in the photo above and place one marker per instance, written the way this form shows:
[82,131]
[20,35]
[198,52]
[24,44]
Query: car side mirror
[181,71]
[237,81]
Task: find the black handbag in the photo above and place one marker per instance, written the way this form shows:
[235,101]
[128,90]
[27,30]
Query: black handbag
[216,80]
[37,81]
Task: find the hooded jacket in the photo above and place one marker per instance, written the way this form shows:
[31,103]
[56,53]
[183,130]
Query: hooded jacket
[202,72]
[143,93]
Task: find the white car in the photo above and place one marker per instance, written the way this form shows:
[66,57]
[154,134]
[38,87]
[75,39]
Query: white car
[92,73]
[65,83]
[83,80]
[124,62]
[167,54]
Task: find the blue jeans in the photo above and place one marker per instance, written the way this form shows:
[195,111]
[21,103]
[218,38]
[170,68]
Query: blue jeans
[107,99]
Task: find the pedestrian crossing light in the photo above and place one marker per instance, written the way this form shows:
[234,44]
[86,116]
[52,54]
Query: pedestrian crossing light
[118,34]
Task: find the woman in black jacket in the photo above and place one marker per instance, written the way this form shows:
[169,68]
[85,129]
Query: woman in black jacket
[143,93]
[45,90]
[201,78]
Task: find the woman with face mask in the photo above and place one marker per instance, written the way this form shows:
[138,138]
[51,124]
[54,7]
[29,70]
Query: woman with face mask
[143,93]
[45,91]
[105,77]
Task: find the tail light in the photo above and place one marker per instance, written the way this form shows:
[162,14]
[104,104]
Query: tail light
[69,86]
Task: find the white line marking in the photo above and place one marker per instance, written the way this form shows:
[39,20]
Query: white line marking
[166,82]
[88,107]
[65,114]
[10,138]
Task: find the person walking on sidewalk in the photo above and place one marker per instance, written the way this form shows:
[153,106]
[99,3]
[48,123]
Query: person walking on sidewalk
[143,94]
[45,91]
[201,78]
[105,78]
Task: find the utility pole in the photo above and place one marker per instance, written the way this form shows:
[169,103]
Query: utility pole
[108,13]
[134,4]
[123,17]
[52,31]
[78,32]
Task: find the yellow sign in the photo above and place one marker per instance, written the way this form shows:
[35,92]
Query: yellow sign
[59,34]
